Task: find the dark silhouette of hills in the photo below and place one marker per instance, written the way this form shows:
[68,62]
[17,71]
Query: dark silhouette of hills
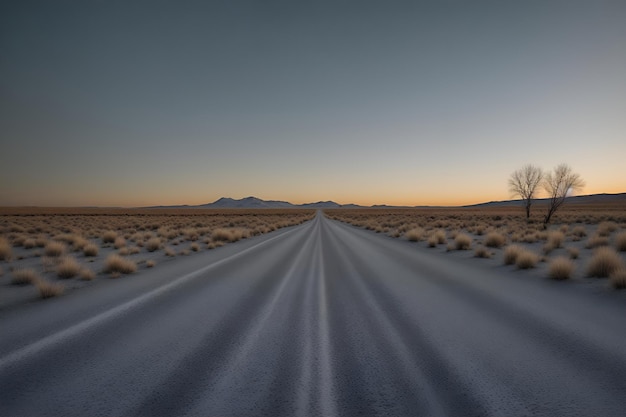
[257,203]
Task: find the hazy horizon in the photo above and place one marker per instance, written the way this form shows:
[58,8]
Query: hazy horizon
[402,103]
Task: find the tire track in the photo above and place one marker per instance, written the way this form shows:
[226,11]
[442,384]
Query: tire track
[418,367]
[575,352]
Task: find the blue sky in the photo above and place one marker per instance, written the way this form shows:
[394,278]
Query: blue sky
[179,102]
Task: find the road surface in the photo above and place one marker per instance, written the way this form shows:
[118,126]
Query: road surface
[322,319]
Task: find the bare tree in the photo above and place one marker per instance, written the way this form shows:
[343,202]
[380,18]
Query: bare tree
[559,183]
[524,182]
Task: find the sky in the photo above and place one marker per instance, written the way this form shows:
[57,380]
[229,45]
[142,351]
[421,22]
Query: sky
[135,103]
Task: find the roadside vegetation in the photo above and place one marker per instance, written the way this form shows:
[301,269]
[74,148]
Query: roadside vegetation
[49,251]
[581,241]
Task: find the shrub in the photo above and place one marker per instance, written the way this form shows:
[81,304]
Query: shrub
[555,239]
[547,248]
[462,241]
[79,243]
[495,240]
[579,231]
[6,253]
[87,274]
[618,278]
[54,249]
[597,241]
[223,235]
[195,247]
[109,236]
[415,234]
[482,252]
[511,253]
[233,235]
[560,268]
[150,263]
[573,253]
[29,243]
[437,237]
[49,289]
[526,259]
[153,244]
[24,276]
[119,242]
[604,262]
[606,228]
[115,263]
[170,252]
[620,241]
[68,267]
[531,237]
[90,250]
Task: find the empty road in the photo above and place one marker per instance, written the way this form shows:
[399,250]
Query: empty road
[322,319]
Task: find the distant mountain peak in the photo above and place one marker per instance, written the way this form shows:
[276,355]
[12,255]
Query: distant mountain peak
[252,202]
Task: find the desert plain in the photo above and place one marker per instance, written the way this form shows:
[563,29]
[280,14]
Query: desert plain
[441,311]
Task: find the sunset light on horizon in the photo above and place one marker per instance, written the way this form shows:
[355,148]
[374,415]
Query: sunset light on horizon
[401,103]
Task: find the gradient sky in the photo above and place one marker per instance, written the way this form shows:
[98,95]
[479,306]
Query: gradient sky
[129,103]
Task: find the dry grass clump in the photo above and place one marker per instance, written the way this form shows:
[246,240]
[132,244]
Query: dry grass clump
[604,262]
[79,243]
[119,242]
[90,250]
[116,264]
[495,240]
[579,231]
[511,253]
[68,267]
[618,278]
[150,263]
[109,236]
[597,241]
[87,274]
[531,237]
[229,235]
[526,259]
[415,235]
[560,268]
[606,228]
[29,243]
[555,238]
[620,241]
[573,253]
[6,253]
[153,244]
[48,289]
[54,249]
[169,252]
[437,237]
[462,241]
[24,276]
[195,247]
[482,252]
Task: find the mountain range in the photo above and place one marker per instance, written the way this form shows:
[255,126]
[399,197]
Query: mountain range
[257,203]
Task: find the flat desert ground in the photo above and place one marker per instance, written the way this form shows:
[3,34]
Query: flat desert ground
[467,312]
